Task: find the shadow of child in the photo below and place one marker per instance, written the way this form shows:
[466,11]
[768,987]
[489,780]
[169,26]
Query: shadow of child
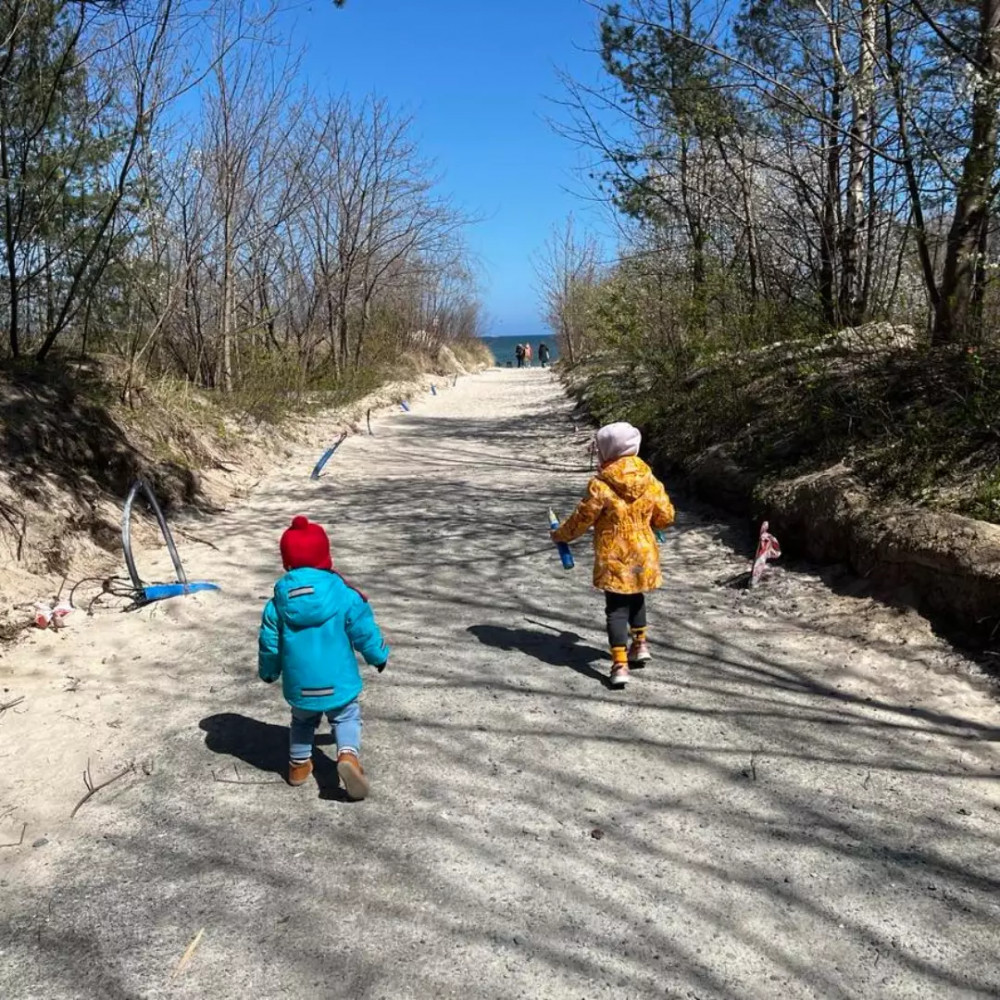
[557,648]
[264,747]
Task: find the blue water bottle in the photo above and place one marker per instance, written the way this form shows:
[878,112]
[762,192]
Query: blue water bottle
[564,551]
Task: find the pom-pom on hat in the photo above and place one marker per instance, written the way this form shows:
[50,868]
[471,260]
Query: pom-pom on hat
[618,440]
[305,544]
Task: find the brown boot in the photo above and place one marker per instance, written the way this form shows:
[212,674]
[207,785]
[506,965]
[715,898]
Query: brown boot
[299,771]
[352,774]
[619,666]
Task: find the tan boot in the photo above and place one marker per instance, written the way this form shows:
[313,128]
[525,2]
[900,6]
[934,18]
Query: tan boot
[299,771]
[619,666]
[352,774]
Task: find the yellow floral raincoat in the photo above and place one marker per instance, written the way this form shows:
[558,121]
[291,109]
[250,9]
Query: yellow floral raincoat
[625,502]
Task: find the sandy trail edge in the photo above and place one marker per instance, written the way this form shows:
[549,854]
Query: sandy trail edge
[62,514]
[798,799]
[95,662]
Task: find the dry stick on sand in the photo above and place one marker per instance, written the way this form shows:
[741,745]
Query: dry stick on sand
[244,491]
[8,513]
[188,953]
[18,843]
[238,780]
[195,538]
[10,704]
[92,789]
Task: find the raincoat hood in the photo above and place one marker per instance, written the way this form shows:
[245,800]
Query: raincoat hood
[629,477]
[625,504]
[307,597]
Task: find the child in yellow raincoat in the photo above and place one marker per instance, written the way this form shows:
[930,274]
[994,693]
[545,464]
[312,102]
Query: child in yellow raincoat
[625,504]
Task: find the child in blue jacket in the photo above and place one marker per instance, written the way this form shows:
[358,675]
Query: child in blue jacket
[308,636]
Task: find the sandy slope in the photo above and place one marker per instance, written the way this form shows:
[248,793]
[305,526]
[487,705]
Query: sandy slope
[798,799]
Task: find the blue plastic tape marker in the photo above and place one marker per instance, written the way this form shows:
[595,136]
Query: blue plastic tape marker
[162,591]
[326,456]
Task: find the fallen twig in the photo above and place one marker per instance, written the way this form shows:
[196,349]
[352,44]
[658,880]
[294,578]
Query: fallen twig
[17,843]
[93,789]
[10,704]
[245,491]
[195,538]
[8,513]
[188,953]
[239,780]
[533,621]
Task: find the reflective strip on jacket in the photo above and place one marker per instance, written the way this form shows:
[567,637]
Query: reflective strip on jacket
[308,636]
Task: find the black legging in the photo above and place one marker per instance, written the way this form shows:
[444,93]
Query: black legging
[624,611]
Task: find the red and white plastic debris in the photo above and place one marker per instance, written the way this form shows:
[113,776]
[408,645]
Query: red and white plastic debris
[45,614]
[767,548]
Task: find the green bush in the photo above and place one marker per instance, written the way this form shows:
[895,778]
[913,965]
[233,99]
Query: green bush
[918,426]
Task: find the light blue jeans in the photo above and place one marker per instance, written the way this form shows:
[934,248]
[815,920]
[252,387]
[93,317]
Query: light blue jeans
[345,723]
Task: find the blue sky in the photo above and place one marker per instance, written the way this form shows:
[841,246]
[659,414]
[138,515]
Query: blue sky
[478,76]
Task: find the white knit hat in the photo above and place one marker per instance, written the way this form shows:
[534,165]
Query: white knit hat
[617,441]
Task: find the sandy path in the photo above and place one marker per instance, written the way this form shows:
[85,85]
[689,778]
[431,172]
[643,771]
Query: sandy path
[798,799]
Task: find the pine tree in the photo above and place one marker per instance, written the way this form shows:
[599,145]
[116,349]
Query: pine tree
[59,142]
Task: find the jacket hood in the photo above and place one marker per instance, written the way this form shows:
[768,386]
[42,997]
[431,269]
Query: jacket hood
[629,477]
[307,597]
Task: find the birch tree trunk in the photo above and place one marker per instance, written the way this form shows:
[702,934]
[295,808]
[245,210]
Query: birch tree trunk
[852,300]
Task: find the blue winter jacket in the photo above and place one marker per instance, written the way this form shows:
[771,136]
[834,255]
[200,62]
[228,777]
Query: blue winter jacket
[308,635]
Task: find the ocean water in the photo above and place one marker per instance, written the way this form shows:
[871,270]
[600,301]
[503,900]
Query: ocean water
[503,348]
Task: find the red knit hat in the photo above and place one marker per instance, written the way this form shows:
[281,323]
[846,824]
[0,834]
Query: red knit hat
[305,544]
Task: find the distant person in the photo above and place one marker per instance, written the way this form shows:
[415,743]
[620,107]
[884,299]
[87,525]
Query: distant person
[308,635]
[543,354]
[625,503]
[527,354]
[519,354]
